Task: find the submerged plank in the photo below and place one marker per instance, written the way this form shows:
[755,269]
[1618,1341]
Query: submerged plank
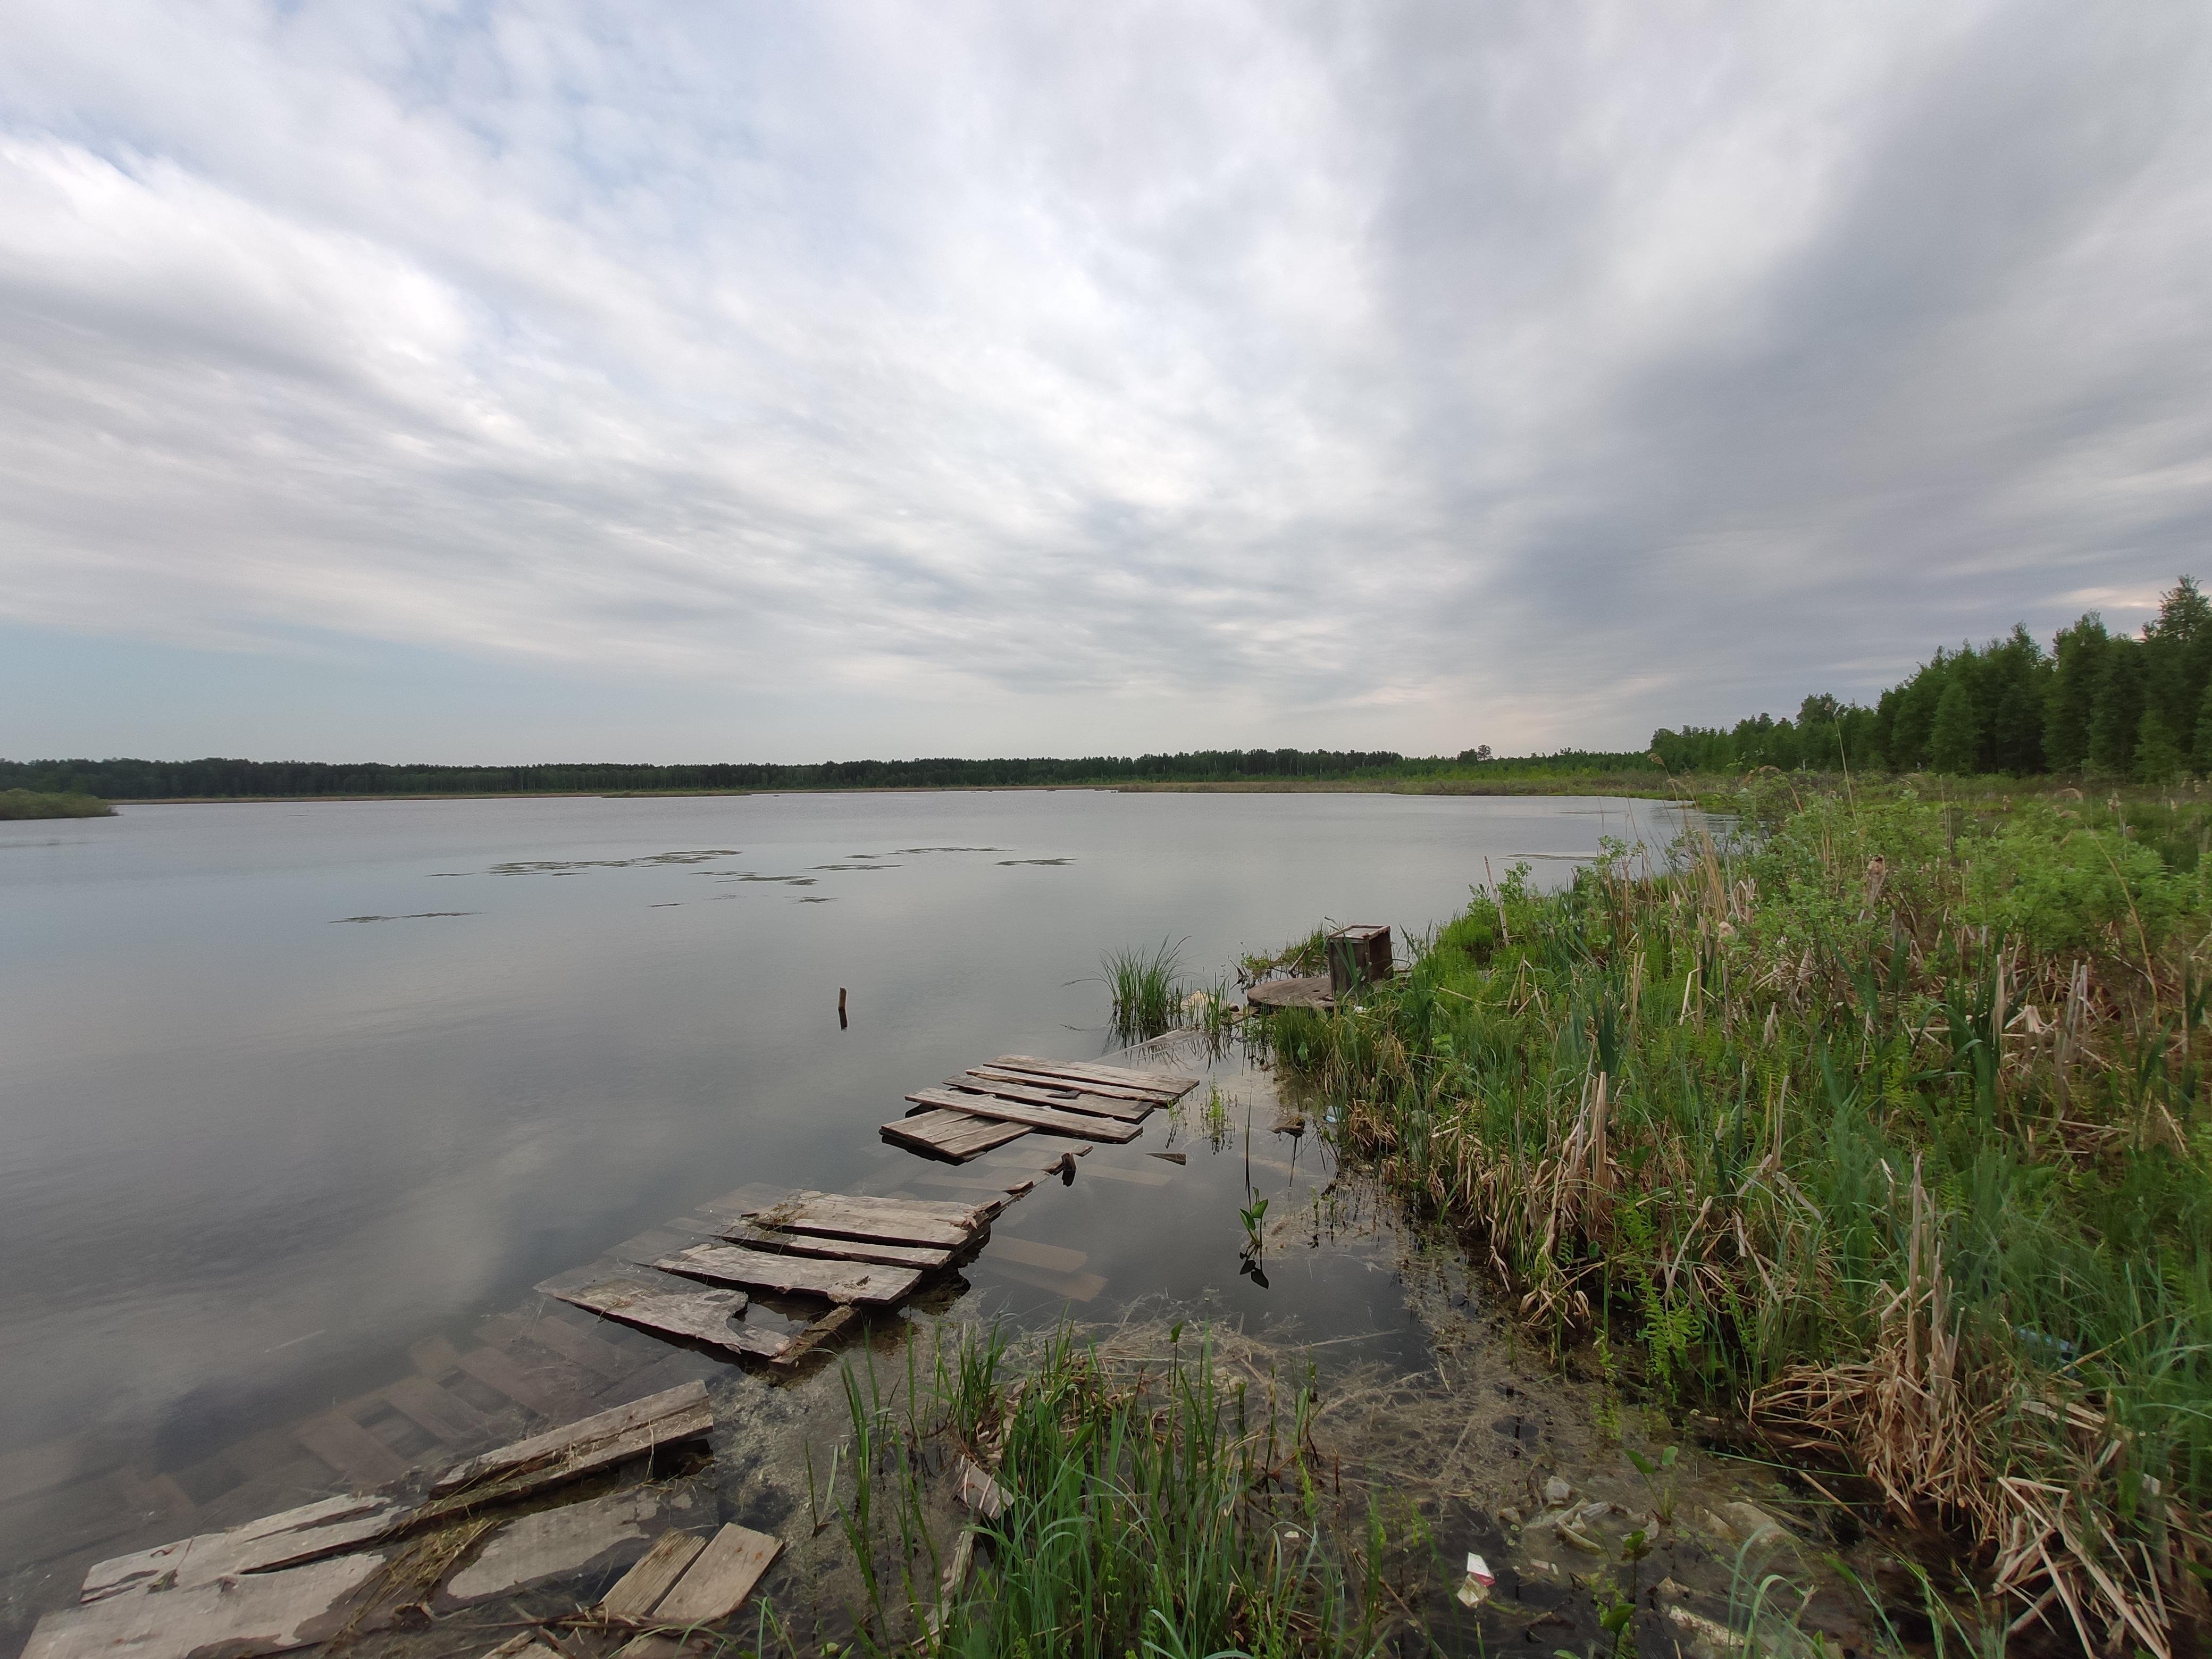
[839,1281]
[891,1220]
[818,1333]
[581,1347]
[1038,1092]
[644,1584]
[955,1137]
[325,1527]
[551,1543]
[497,1368]
[721,1579]
[237,1614]
[438,1412]
[351,1449]
[1169,1084]
[673,1415]
[707,1316]
[1079,1125]
[926,1256]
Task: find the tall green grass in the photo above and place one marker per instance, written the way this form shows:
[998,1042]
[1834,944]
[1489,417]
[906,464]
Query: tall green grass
[1147,992]
[1889,1129]
[1149,1509]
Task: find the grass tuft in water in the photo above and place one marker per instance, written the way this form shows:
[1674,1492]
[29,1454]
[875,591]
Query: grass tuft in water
[1147,995]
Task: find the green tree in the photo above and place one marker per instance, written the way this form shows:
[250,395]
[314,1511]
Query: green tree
[2115,714]
[2158,751]
[2200,754]
[2081,652]
[1955,743]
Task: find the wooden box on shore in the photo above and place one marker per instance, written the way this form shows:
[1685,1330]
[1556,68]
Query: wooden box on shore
[1359,956]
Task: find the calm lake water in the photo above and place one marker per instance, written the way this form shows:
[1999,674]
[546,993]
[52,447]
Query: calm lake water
[285,1087]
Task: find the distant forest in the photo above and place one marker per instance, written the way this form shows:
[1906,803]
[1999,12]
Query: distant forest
[142,780]
[2110,706]
[2107,705]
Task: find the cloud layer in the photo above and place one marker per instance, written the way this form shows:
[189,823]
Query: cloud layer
[987,378]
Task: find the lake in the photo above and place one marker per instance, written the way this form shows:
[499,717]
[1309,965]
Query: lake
[286,1087]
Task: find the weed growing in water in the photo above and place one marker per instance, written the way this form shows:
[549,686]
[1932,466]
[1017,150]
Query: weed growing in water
[1147,997]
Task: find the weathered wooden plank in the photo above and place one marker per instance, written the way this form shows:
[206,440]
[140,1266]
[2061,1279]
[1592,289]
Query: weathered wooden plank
[925,1256]
[793,1275]
[980,1490]
[1169,1084]
[238,1614]
[705,1316]
[891,1220]
[1075,1287]
[818,1333]
[552,1543]
[322,1527]
[1079,1125]
[351,1449]
[644,1584]
[497,1368]
[1149,1099]
[955,1137]
[529,1644]
[1304,991]
[721,1579]
[580,1347]
[1057,1258]
[435,1357]
[440,1412]
[673,1415]
[1038,1092]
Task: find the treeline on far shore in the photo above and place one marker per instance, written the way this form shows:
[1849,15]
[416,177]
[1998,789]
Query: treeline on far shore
[2111,706]
[145,780]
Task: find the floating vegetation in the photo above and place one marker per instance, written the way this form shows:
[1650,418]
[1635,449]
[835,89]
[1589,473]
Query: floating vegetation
[902,851]
[419,916]
[817,898]
[1005,862]
[576,866]
[856,866]
[747,875]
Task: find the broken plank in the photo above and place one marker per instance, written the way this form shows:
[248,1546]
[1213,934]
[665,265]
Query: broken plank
[955,1136]
[1170,1085]
[529,1644]
[438,1412]
[892,1220]
[844,1250]
[720,1580]
[1057,1258]
[1037,1093]
[980,1492]
[793,1275]
[674,1415]
[644,1584]
[705,1316]
[323,1528]
[818,1333]
[1147,1098]
[556,1542]
[497,1368]
[435,1357]
[1080,1125]
[237,1615]
[351,1449]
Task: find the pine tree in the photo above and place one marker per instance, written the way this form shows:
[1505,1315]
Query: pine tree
[1955,743]
[2116,715]
[2200,757]
[2082,650]
[2158,751]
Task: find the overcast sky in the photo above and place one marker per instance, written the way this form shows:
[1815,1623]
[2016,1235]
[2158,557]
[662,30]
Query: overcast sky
[765,381]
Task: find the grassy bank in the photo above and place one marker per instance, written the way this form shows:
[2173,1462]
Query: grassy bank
[1886,1129]
[31,804]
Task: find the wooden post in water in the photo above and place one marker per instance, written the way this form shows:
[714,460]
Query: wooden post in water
[841,1007]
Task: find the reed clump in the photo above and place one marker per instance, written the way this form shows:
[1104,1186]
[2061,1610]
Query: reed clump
[1148,1506]
[1886,1127]
[1145,983]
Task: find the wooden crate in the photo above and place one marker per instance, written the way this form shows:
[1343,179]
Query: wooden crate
[1359,956]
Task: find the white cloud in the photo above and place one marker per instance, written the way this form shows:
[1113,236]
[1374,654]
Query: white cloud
[1360,378]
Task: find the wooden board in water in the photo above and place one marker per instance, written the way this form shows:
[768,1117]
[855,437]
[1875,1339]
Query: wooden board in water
[955,1136]
[1080,1125]
[793,1275]
[1041,1079]
[890,1220]
[1167,1084]
[721,1579]
[1036,1091]
[707,1316]
[593,1441]
[925,1256]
